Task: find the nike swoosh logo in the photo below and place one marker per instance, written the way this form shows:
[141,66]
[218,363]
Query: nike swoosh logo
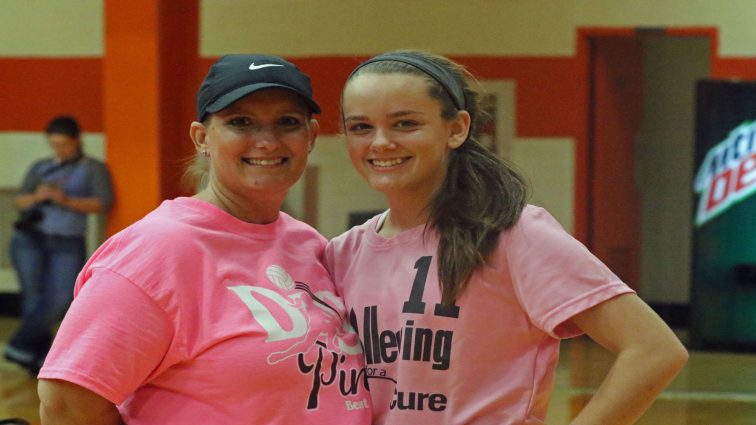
[265,65]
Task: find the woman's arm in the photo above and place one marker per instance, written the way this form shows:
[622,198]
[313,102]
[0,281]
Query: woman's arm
[649,356]
[26,200]
[64,403]
[101,356]
[81,205]
[56,195]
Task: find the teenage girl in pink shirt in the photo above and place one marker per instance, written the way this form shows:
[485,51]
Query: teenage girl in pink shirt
[216,308]
[460,291]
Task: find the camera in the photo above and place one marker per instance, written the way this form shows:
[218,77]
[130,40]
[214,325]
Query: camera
[29,218]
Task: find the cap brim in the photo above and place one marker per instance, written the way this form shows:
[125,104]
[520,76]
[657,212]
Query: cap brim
[234,95]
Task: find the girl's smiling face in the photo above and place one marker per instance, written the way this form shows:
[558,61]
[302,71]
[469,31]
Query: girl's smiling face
[396,136]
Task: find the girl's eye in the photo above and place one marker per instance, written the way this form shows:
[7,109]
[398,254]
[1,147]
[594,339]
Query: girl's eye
[405,124]
[358,127]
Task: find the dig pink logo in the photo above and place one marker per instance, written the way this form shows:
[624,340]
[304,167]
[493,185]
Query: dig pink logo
[727,174]
[319,352]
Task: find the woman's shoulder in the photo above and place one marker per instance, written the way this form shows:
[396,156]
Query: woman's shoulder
[93,163]
[299,229]
[149,252]
[160,233]
[41,164]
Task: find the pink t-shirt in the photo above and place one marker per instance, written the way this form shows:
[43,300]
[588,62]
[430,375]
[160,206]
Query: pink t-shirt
[490,360]
[191,316]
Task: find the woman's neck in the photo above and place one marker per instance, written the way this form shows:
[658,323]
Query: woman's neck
[248,210]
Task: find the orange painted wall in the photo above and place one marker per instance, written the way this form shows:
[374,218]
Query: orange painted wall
[131,99]
[551,102]
[736,68]
[34,90]
[614,201]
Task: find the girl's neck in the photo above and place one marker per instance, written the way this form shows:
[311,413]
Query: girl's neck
[404,214]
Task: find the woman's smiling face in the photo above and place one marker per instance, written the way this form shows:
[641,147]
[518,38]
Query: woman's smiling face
[258,146]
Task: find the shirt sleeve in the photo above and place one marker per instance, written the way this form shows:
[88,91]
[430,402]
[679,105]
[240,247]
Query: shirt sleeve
[31,179]
[328,254]
[555,276]
[112,340]
[102,186]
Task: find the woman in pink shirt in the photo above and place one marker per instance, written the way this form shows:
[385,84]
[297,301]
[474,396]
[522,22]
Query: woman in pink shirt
[216,308]
[460,291]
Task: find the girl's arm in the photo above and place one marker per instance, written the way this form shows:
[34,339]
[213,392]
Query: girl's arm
[64,403]
[649,356]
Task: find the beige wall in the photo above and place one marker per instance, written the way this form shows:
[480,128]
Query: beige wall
[471,27]
[51,28]
[549,166]
[347,27]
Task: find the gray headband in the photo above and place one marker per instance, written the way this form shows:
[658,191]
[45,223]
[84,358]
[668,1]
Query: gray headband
[432,69]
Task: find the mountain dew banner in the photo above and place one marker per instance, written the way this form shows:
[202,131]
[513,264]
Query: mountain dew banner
[728,173]
[723,296]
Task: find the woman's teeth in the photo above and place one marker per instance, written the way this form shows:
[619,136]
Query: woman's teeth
[275,161]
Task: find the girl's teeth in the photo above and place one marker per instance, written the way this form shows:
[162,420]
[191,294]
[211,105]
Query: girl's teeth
[387,162]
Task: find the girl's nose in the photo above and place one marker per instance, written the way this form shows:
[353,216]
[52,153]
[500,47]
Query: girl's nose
[382,141]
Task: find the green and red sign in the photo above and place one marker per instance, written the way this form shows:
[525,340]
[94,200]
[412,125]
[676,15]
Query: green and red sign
[728,173]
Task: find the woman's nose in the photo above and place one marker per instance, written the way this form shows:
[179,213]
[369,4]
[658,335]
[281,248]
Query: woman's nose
[265,138]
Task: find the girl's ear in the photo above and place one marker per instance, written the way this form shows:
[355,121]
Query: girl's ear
[459,128]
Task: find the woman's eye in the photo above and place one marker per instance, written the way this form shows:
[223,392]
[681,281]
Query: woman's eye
[239,122]
[290,122]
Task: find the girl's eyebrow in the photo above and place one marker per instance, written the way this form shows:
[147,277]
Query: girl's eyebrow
[396,114]
[405,113]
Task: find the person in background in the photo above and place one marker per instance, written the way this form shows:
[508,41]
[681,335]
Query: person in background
[216,308]
[48,246]
[460,291]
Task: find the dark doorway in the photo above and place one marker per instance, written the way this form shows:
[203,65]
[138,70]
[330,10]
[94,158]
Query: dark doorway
[640,164]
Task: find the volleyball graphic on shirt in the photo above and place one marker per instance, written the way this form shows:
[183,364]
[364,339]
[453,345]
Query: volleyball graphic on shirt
[298,308]
[312,327]
[280,277]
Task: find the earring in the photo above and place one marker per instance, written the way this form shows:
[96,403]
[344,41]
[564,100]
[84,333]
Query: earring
[204,152]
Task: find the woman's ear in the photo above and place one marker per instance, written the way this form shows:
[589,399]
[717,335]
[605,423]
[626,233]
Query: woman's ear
[313,134]
[198,132]
[459,128]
